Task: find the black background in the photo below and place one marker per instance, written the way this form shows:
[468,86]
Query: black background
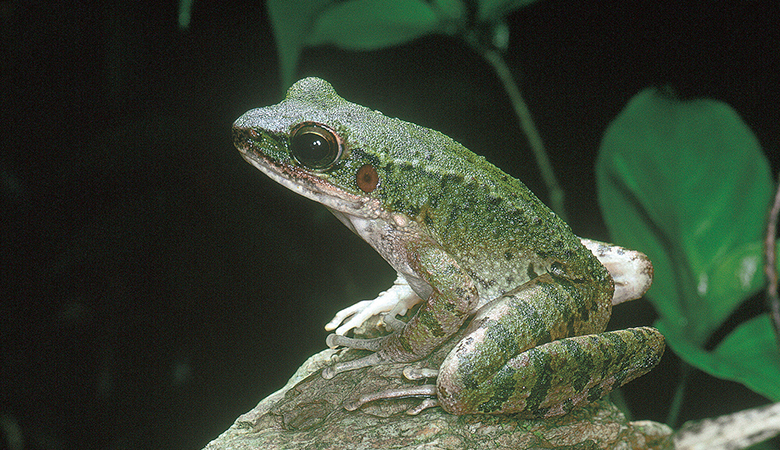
[154,286]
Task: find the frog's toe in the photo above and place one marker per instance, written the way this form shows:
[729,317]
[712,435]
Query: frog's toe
[336,340]
[357,313]
[425,404]
[367,361]
[419,373]
[392,323]
[425,390]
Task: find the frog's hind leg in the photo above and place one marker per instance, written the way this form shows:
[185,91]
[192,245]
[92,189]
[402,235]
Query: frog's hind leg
[552,379]
[539,351]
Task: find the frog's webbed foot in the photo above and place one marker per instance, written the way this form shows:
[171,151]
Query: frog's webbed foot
[425,404]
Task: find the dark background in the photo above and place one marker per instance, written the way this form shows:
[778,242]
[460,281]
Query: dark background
[153,286]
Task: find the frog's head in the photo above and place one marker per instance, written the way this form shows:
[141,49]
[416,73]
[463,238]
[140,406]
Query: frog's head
[302,143]
[347,157]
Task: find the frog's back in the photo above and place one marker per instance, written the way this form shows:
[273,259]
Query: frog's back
[498,229]
[502,233]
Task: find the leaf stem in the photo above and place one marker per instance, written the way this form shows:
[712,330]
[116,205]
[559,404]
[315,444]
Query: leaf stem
[769,267]
[529,128]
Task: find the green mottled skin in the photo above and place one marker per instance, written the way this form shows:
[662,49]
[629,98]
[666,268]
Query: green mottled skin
[465,235]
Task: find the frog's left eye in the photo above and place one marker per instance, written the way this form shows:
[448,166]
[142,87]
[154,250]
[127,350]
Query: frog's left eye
[315,145]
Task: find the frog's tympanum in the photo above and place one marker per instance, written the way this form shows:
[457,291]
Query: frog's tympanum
[471,243]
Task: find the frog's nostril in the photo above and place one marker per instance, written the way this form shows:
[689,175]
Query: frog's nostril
[240,137]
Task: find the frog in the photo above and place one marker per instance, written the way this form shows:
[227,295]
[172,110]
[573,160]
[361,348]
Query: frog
[473,249]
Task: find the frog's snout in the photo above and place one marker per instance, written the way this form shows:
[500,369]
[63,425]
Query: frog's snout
[243,137]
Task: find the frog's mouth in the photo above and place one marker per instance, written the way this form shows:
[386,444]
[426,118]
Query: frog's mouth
[301,180]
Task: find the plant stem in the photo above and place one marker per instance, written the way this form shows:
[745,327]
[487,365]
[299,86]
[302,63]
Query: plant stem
[769,267]
[529,128]
[679,395]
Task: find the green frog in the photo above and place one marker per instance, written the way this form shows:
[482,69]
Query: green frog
[469,242]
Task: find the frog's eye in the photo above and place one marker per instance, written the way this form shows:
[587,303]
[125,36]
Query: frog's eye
[315,145]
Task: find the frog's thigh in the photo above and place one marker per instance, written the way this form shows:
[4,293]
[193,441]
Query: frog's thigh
[535,313]
[551,379]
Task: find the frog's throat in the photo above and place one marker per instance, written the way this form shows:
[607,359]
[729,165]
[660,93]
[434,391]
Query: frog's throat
[313,187]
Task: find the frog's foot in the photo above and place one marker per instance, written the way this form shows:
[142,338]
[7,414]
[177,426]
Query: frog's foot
[378,357]
[396,300]
[334,340]
[367,361]
[426,390]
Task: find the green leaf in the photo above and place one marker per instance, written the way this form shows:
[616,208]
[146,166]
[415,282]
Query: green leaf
[687,183]
[748,355]
[356,24]
[372,24]
[735,277]
[492,11]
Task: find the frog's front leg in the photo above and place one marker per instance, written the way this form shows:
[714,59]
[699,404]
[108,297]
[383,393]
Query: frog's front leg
[394,301]
[452,298]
